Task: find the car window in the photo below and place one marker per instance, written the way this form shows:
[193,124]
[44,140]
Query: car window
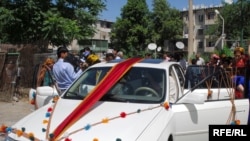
[180,75]
[139,84]
[216,77]
[218,83]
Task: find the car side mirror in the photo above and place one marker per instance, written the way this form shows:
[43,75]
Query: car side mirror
[46,91]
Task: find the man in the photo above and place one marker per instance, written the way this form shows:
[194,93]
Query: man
[84,53]
[183,62]
[109,57]
[199,60]
[120,54]
[115,51]
[166,56]
[64,72]
[148,56]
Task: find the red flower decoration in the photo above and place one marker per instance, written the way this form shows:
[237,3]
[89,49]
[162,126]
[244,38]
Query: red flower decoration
[123,115]
[50,109]
[32,101]
[166,105]
[67,139]
[3,128]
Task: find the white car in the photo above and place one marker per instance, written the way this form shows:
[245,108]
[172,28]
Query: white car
[130,100]
[194,74]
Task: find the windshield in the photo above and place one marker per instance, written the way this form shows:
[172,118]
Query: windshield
[139,85]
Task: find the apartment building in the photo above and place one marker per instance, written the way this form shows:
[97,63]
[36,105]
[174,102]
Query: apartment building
[101,39]
[204,16]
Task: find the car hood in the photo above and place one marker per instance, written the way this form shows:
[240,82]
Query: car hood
[105,121]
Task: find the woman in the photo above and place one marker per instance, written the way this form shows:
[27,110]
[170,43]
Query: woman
[239,58]
[239,64]
[44,78]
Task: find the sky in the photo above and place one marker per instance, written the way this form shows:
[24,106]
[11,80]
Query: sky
[114,6]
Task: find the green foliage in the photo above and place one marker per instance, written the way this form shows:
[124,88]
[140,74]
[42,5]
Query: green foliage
[225,52]
[6,17]
[138,27]
[236,21]
[130,32]
[60,30]
[236,18]
[166,21]
[56,21]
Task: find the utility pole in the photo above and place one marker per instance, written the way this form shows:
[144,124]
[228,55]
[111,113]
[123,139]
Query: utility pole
[190,29]
[241,14]
[223,25]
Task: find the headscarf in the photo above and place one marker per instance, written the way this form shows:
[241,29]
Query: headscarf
[48,62]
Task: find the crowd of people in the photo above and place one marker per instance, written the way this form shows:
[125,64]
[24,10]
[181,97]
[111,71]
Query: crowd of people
[236,68]
[63,71]
[68,67]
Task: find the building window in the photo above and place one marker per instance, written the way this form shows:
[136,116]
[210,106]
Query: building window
[210,44]
[109,25]
[200,18]
[200,44]
[186,17]
[185,31]
[200,31]
[103,24]
[210,15]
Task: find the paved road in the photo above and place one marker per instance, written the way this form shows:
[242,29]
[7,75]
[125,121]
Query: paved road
[11,112]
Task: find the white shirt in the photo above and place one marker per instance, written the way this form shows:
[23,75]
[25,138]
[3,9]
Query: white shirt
[200,61]
[64,74]
[117,57]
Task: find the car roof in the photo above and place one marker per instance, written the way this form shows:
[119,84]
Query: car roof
[154,63]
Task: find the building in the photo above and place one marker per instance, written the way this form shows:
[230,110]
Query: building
[101,39]
[204,16]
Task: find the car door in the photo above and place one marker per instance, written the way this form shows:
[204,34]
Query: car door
[192,120]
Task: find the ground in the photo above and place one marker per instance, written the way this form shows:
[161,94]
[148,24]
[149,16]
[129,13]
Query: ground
[13,111]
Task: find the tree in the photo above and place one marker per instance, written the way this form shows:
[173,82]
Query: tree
[130,32]
[6,16]
[166,21]
[236,19]
[55,21]
[60,30]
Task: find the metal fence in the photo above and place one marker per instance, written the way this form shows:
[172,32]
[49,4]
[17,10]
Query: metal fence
[8,77]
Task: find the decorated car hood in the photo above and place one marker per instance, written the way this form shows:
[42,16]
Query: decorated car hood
[105,121]
[90,119]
